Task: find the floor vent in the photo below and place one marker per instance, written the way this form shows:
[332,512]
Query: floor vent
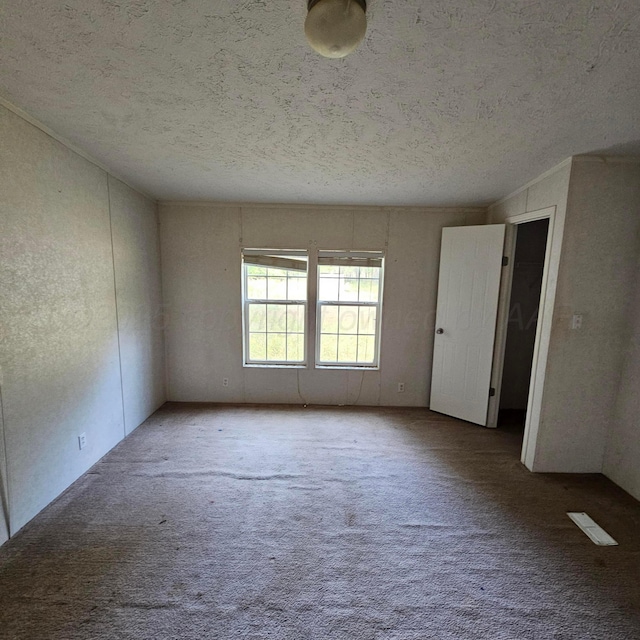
[597,534]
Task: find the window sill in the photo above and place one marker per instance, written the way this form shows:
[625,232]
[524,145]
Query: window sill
[347,367]
[319,367]
[255,365]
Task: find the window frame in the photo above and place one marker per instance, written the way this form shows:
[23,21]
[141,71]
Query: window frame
[346,255]
[246,302]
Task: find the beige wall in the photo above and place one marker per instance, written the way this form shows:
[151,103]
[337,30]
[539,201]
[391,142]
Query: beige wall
[59,353]
[596,278]
[136,250]
[201,279]
[622,456]
[550,190]
[598,220]
[4,488]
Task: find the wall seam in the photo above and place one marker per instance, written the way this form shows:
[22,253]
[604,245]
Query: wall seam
[115,298]
[167,375]
[163,321]
[5,494]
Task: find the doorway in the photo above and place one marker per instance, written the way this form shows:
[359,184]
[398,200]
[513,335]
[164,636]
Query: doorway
[473,303]
[522,323]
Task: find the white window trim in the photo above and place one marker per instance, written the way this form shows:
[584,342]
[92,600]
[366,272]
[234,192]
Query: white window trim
[273,364]
[312,324]
[358,366]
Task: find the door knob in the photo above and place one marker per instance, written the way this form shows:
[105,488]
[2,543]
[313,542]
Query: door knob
[439,331]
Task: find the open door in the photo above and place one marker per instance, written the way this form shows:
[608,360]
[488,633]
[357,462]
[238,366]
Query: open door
[468,289]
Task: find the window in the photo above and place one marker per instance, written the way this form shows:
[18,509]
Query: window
[349,301]
[348,307]
[275,306]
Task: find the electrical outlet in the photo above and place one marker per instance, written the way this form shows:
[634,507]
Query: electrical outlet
[576,322]
[225,382]
[82,440]
[400,387]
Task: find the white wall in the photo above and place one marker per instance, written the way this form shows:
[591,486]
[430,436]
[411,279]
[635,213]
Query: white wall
[59,352]
[201,283]
[622,456]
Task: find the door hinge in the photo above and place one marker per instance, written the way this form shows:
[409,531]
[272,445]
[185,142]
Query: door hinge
[492,392]
[505,261]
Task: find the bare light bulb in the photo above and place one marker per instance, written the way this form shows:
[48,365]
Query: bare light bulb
[334,28]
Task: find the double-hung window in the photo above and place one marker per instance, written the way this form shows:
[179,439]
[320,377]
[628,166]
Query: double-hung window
[275,306]
[347,298]
[349,305]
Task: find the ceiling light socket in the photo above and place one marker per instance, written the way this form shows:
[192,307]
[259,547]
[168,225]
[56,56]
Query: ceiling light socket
[335,28]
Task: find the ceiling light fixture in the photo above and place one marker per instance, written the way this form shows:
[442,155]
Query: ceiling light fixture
[334,28]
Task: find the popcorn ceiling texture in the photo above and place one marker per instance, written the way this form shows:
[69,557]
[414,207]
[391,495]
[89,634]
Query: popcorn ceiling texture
[445,103]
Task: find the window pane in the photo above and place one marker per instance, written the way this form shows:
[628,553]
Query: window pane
[253,270]
[276,317]
[369,290]
[349,272]
[276,330]
[328,348]
[256,288]
[329,319]
[295,347]
[366,349]
[257,317]
[348,289]
[329,270]
[367,321]
[375,290]
[357,329]
[297,289]
[347,348]
[370,272]
[257,346]
[365,291]
[329,288]
[348,321]
[277,288]
[295,318]
[277,346]
[356,326]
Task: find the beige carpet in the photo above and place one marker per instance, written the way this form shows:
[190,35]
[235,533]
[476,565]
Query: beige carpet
[214,522]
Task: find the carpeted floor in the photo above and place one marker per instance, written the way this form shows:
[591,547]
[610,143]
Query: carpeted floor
[225,522]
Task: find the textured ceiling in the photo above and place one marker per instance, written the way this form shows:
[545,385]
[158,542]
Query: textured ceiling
[446,102]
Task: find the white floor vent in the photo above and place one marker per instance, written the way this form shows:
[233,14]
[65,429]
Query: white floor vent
[597,534]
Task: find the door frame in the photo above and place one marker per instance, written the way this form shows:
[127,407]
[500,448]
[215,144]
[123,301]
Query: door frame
[543,331]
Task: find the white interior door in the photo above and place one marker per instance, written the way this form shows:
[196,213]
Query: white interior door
[468,289]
